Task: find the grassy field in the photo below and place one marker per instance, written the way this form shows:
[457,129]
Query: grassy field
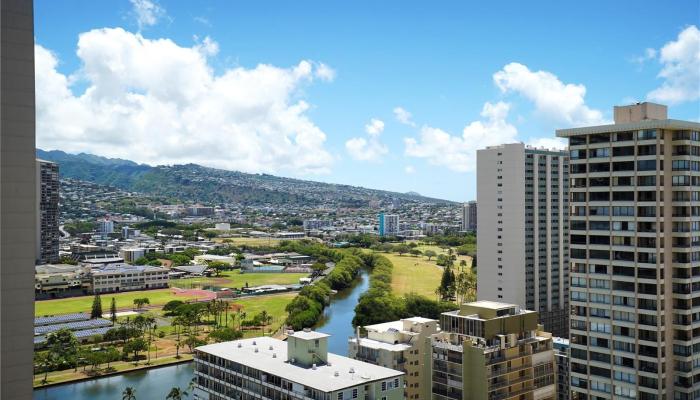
[84,303]
[414,274]
[235,279]
[273,304]
[439,250]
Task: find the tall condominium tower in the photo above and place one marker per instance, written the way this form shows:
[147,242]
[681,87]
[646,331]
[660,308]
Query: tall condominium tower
[469,216]
[388,224]
[522,240]
[17,198]
[635,263]
[47,212]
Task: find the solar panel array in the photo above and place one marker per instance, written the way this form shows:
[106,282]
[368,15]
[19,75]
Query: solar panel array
[73,326]
[78,334]
[61,319]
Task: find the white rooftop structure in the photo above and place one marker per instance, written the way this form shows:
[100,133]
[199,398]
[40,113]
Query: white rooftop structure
[270,355]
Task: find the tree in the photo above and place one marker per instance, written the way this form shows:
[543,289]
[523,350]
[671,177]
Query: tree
[96,311]
[111,354]
[171,306]
[113,311]
[416,252]
[318,268]
[136,346]
[139,303]
[430,254]
[265,319]
[446,290]
[62,347]
[129,394]
[402,248]
[465,286]
[225,334]
[176,394]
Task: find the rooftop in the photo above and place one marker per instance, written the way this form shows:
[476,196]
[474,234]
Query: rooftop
[631,126]
[271,355]
[376,344]
[309,335]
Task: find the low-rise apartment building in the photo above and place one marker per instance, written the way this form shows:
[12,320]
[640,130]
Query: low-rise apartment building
[402,345]
[300,368]
[124,277]
[491,351]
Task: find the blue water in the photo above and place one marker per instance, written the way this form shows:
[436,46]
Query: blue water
[149,385]
[337,317]
[156,383]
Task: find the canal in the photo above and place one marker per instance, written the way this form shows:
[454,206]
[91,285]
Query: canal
[155,383]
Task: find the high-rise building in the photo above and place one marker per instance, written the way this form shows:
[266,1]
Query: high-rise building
[300,368]
[522,240]
[17,198]
[48,235]
[388,224]
[402,345]
[488,350]
[469,215]
[105,227]
[634,256]
[561,355]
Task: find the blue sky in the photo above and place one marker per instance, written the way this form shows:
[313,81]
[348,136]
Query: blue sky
[311,89]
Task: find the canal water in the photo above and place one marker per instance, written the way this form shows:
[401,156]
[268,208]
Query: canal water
[154,384]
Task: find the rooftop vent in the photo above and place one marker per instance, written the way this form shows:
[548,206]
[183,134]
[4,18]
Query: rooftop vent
[254,343]
[256,349]
[274,355]
[352,370]
[336,373]
[240,345]
[307,329]
[271,347]
[313,366]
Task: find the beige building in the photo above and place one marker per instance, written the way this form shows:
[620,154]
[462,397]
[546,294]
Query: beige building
[522,240]
[124,277]
[300,368]
[402,345]
[635,232]
[489,351]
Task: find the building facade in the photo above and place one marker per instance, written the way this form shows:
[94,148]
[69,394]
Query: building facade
[300,368]
[48,235]
[522,242]
[469,216]
[105,227]
[488,350]
[561,354]
[124,277]
[402,345]
[635,232]
[388,224]
[17,198]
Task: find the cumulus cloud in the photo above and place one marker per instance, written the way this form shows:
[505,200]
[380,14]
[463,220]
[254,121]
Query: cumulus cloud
[403,116]
[370,148]
[156,102]
[409,169]
[553,143]
[147,12]
[562,103]
[325,73]
[680,60]
[458,153]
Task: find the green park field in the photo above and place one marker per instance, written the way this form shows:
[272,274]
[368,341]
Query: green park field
[236,279]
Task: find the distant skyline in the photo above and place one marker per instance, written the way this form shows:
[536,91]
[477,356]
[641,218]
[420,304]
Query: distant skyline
[390,95]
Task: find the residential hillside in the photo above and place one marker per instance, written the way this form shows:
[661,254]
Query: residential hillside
[191,182]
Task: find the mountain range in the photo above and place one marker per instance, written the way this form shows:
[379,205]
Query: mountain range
[192,182]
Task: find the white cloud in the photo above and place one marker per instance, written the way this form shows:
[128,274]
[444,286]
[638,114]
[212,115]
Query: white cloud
[375,127]
[403,116]
[553,143]
[409,169]
[325,73]
[458,153]
[562,103]
[680,70]
[370,149]
[156,102]
[147,12]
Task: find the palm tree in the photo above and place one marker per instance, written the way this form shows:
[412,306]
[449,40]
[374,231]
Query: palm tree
[176,394]
[129,394]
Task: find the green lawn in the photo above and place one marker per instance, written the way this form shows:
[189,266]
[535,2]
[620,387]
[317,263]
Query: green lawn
[439,250]
[84,303]
[250,241]
[414,274]
[235,279]
[273,304]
